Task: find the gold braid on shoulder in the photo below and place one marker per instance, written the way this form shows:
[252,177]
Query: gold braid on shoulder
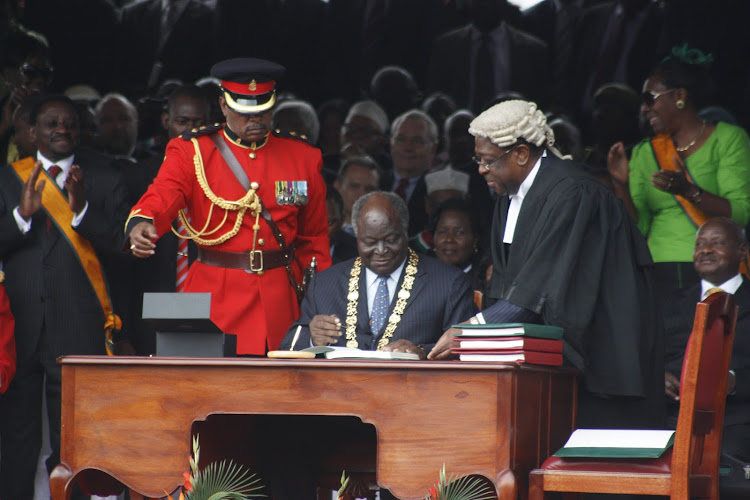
[248,202]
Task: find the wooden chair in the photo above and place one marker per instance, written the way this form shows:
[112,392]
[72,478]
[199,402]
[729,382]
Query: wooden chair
[690,469]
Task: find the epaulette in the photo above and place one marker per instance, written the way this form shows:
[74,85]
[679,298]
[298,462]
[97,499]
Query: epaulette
[204,130]
[293,135]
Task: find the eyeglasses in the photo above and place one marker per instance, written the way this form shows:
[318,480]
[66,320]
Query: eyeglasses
[32,72]
[650,97]
[487,165]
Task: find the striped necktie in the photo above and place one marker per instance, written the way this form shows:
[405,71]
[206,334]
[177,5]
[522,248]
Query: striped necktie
[182,256]
[712,291]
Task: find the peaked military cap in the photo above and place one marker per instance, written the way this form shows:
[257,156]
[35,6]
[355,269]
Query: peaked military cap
[248,84]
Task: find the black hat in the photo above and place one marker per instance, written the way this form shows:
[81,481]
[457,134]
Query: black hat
[248,84]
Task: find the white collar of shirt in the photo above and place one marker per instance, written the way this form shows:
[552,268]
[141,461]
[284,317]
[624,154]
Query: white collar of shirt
[730,286]
[516,200]
[371,282]
[64,164]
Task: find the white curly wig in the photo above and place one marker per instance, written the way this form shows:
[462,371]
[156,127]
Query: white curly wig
[503,124]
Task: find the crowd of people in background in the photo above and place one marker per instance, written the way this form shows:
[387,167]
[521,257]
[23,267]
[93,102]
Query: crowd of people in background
[386,90]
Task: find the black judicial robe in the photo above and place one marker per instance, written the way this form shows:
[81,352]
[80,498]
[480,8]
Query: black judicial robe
[578,261]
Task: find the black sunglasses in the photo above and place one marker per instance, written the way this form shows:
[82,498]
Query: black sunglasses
[32,72]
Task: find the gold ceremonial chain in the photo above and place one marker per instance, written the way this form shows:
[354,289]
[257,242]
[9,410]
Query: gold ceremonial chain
[248,202]
[398,310]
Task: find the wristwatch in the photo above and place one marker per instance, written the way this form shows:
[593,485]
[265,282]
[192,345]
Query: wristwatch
[697,196]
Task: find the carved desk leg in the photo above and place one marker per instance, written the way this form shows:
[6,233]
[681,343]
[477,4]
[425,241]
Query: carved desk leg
[60,482]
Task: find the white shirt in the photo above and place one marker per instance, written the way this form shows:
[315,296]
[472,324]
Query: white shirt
[730,286]
[25,226]
[516,200]
[371,284]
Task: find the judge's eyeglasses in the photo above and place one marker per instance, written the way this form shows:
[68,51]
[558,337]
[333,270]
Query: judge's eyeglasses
[486,165]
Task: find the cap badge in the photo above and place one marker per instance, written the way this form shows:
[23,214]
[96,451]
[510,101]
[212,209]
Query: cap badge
[252,85]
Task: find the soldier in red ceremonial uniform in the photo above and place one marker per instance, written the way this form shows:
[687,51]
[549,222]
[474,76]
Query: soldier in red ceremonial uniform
[253,202]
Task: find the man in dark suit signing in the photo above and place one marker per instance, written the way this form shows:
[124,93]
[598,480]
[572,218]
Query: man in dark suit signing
[387,299]
[720,246]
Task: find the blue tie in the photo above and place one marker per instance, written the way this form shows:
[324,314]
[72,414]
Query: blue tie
[379,307]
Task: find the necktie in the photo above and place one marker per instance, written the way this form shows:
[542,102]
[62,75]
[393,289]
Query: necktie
[712,291]
[484,76]
[53,172]
[379,307]
[401,188]
[182,257]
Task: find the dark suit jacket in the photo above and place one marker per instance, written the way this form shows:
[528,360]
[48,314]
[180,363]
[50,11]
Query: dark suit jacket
[647,50]
[418,217]
[45,282]
[187,54]
[345,247]
[678,319]
[441,297]
[450,65]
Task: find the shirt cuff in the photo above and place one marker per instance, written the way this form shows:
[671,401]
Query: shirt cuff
[23,225]
[478,319]
[77,218]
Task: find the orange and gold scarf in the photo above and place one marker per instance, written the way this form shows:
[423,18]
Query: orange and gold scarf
[58,210]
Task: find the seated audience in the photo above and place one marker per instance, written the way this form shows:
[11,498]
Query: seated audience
[331,115]
[357,176]
[443,184]
[298,119]
[720,245]
[343,244]
[414,140]
[456,236]
[614,119]
[404,301]
[117,124]
[395,89]
[365,132]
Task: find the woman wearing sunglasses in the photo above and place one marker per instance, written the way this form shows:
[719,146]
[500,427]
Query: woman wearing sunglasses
[689,171]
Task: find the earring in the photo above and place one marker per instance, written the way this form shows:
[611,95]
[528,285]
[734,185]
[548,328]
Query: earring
[680,103]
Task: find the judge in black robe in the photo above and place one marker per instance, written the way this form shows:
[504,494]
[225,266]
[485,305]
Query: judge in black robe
[576,261]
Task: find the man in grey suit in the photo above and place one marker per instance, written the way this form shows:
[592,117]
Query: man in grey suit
[420,298]
[56,308]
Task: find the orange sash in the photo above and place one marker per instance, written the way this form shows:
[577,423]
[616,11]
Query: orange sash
[667,157]
[58,210]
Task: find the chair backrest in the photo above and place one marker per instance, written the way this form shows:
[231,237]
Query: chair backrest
[703,382]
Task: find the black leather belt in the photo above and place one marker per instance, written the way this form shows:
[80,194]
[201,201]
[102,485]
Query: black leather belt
[252,262]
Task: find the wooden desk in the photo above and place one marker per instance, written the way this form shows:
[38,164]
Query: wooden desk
[130,418]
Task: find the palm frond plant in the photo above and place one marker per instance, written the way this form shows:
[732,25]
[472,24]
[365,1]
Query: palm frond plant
[218,481]
[461,488]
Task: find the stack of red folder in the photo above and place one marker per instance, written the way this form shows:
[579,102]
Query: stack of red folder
[510,342]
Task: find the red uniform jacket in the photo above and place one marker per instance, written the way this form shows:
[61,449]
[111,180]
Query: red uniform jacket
[7,341]
[258,309]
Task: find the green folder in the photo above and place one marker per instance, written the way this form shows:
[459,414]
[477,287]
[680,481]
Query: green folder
[617,443]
